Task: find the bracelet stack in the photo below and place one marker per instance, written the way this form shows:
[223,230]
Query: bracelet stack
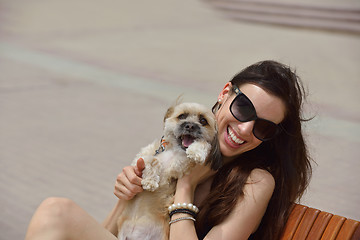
[187,208]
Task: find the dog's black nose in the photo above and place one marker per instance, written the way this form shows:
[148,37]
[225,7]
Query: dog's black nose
[189,126]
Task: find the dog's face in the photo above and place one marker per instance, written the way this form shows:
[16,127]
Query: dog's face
[188,122]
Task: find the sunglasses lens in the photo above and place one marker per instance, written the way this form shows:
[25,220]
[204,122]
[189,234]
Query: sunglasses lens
[242,109]
[265,130]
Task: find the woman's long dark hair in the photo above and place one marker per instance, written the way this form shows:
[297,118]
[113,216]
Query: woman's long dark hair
[285,156]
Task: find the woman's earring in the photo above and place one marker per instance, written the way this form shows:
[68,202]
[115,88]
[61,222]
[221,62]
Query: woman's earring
[219,104]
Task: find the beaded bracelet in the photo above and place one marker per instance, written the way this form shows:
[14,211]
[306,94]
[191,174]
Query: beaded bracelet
[183,210]
[180,219]
[189,206]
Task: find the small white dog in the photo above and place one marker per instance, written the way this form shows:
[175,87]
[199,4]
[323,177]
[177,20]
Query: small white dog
[190,138]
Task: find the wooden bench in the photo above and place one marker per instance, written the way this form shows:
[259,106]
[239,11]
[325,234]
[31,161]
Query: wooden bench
[312,224]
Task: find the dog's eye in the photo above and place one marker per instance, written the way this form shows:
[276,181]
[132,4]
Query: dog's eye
[182,116]
[203,121]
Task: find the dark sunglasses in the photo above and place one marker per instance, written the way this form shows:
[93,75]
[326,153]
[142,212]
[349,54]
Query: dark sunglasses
[244,111]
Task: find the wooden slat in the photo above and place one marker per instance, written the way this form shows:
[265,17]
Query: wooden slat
[306,223]
[356,234]
[313,224]
[319,225]
[347,229]
[295,217]
[333,228]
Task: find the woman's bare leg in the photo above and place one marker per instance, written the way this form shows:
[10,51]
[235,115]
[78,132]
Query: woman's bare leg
[60,218]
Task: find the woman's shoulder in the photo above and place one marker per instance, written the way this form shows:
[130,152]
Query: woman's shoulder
[246,216]
[260,181]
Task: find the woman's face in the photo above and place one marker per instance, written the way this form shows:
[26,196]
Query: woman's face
[236,137]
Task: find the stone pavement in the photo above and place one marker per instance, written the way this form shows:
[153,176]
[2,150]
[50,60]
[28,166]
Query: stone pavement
[84,85]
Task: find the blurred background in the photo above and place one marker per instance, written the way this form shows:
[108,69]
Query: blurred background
[84,85]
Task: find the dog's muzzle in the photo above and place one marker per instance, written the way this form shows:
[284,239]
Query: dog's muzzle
[189,132]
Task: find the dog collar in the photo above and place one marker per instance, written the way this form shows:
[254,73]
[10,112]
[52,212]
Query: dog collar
[163,144]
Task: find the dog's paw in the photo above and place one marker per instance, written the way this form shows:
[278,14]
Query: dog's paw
[151,174]
[198,152]
[196,156]
[151,184]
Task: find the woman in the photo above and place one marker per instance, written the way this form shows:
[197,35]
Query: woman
[266,168]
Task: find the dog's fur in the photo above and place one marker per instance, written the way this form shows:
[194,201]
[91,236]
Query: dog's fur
[190,134]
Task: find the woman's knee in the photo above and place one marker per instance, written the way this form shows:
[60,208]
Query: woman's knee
[57,208]
[53,216]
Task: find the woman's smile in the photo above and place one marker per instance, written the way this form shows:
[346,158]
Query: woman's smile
[232,139]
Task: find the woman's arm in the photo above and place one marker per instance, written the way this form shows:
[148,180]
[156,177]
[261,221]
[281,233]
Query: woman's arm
[128,184]
[243,220]
[185,189]
[110,223]
[249,210]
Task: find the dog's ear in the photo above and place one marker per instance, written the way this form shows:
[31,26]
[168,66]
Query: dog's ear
[215,158]
[179,99]
[169,112]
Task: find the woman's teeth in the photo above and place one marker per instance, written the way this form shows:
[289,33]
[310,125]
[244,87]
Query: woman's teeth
[233,137]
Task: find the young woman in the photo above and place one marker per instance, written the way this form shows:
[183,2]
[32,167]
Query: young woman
[266,168]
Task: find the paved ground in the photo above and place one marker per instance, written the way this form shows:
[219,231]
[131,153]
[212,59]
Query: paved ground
[85,84]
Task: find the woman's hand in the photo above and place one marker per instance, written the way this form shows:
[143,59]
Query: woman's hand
[128,182]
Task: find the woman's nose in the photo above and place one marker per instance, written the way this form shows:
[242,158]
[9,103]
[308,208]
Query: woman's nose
[246,128]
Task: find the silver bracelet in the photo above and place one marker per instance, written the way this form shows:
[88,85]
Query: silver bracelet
[180,219]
